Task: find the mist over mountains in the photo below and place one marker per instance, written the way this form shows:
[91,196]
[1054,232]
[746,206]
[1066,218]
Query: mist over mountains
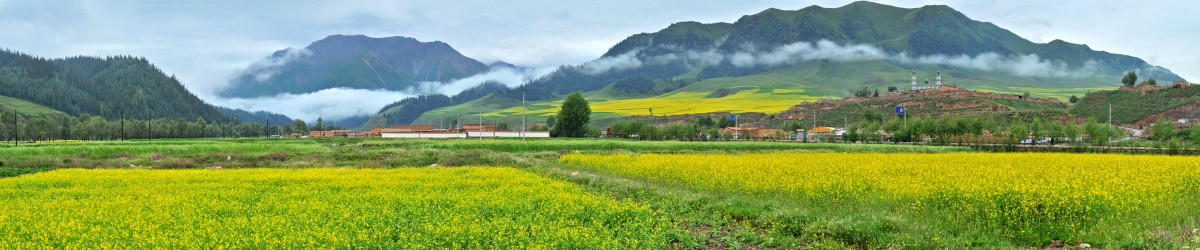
[355,77]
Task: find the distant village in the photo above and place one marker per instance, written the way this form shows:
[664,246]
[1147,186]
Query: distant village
[429,131]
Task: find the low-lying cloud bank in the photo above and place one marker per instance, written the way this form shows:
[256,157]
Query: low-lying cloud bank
[511,77]
[340,103]
[749,55]
[330,104]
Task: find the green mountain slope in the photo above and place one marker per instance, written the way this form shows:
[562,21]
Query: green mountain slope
[777,90]
[361,62]
[1130,106]
[775,59]
[100,86]
[25,107]
[261,117]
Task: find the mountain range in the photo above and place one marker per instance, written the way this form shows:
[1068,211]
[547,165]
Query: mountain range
[360,62]
[812,53]
[765,62]
[97,86]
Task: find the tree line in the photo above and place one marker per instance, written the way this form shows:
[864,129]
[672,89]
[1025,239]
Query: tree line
[14,126]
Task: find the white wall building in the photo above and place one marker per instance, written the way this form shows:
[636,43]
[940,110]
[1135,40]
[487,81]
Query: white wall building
[923,86]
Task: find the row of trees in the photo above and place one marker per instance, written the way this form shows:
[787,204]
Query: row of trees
[701,129]
[980,129]
[88,127]
[1131,78]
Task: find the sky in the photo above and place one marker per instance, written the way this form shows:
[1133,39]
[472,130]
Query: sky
[207,42]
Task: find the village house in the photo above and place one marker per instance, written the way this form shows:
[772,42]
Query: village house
[412,128]
[331,133]
[824,134]
[753,133]
[477,128]
[377,131]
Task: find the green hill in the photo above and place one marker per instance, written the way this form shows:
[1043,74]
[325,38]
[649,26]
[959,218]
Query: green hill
[100,86]
[773,60]
[1130,106]
[773,91]
[360,62]
[25,107]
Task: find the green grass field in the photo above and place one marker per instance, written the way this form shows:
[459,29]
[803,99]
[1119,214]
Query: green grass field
[580,193]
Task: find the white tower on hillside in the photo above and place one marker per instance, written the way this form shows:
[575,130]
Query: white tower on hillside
[939,78]
[914,79]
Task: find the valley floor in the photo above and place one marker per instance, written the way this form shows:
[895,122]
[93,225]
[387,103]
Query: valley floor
[562,193]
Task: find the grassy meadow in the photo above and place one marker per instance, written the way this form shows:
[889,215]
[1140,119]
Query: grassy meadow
[575,193]
[25,107]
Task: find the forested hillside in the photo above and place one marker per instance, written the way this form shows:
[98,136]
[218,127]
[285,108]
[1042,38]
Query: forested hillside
[257,116]
[359,62]
[817,52]
[100,87]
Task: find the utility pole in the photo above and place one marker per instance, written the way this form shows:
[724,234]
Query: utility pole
[16,136]
[122,123]
[1109,124]
[814,118]
[480,126]
[522,115]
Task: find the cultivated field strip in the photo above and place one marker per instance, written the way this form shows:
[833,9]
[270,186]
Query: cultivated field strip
[978,198]
[472,207]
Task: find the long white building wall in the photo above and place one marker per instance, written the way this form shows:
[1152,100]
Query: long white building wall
[508,134]
[423,135]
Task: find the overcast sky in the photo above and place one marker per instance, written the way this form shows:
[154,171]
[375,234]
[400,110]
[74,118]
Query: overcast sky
[206,42]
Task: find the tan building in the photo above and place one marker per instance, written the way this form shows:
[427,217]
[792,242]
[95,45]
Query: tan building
[331,133]
[377,131]
[413,128]
[478,128]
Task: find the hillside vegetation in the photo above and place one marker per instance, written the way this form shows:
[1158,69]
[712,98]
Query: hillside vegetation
[23,107]
[689,67]
[100,86]
[360,62]
[1129,106]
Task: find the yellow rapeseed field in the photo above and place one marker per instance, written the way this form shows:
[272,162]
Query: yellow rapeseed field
[477,207]
[1024,197]
[774,101]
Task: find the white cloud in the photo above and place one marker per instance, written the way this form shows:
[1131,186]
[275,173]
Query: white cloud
[340,103]
[266,68]
[330,104]
[1021,65]
[750,55]
[510,77]
[624,61]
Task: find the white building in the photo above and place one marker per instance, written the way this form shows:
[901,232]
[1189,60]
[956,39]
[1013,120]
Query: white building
[937,83]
